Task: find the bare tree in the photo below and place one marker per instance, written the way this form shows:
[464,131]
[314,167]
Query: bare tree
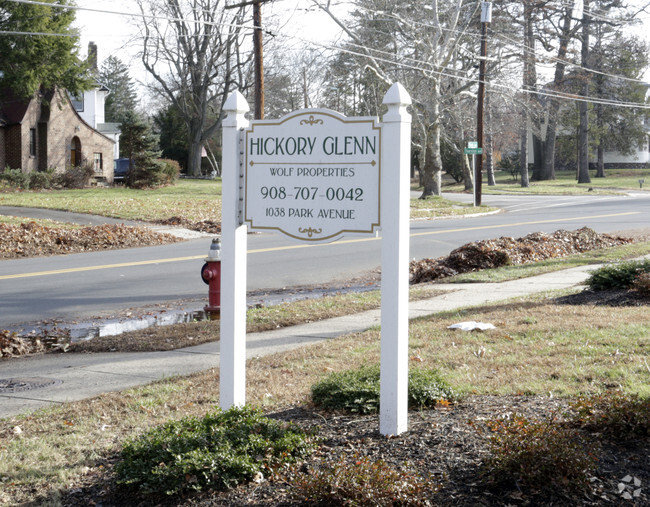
[192,50]
[583,107]
[417,43]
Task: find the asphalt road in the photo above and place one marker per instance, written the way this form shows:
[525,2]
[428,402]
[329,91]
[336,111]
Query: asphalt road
[85,286]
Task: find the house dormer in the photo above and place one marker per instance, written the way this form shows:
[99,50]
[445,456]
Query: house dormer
[91,104]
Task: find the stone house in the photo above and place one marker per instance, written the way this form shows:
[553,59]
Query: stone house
[47,132]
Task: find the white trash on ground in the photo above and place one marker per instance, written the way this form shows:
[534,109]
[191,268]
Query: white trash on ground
[471,326]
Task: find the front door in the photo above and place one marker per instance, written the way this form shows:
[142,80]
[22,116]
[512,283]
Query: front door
[75,152]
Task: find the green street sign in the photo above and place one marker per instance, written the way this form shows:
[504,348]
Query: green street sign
[473,151]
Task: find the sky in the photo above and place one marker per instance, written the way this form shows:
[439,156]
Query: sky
[116,34]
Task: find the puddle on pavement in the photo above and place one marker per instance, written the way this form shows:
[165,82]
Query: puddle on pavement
[88,330]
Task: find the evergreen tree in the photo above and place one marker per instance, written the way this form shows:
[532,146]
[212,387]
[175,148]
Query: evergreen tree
[114,74]
[173,134]
[621,61]
[139,144]
[31,58]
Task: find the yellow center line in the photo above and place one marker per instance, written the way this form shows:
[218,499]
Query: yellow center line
[294,247]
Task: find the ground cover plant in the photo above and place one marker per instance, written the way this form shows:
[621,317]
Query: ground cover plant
[357,391]
[362,482]
[622,275]
[538,455]
[216,451]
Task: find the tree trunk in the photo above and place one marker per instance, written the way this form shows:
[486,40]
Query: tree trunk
[600,165]
[583,134]
[523,154]
[431,177]
[529,85]
[194,158]
[468,177]
[432,170]
[489,161]
[547,171]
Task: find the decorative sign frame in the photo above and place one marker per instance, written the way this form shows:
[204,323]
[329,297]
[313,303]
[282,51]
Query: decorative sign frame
[313,175]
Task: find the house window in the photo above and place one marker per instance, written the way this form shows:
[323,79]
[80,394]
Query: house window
[32,142]
[99,162]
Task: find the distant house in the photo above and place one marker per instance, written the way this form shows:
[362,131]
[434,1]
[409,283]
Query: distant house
[47,132]
[639,158]
[91,105]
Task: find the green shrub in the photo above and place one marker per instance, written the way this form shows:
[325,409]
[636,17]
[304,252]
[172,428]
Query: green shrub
[540,456]
[361,482]
[618,276]
[617,415]
[15,178]
[217,451]
[152,173]
[511,164]
[75,177]
[170,170]
[39,180]
[357,391]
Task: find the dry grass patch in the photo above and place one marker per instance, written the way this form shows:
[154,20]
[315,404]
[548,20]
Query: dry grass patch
[541,348]
[258,319]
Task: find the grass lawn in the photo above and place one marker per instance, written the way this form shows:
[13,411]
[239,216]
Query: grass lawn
[565,183]
[194,200]
[538,348]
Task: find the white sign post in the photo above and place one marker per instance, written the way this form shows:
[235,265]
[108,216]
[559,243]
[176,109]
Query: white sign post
[232,351]
[315,176]
[393,399]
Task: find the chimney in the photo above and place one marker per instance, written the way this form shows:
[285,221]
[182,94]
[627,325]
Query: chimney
[92,56]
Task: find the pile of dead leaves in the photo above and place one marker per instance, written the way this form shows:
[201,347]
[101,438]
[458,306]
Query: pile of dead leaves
[209,226]
[493,253]
[12,345]
[51,339]
[31,239]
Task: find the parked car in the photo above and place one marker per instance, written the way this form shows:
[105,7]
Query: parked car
[120,168]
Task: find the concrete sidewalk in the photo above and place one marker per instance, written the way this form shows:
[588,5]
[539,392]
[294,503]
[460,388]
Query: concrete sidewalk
[59,378]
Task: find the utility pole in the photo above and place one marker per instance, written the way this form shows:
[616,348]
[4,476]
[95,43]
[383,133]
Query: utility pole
[259,53]
[259,60]
[486,17]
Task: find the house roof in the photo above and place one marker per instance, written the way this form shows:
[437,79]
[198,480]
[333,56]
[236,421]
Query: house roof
[12,108]
[109,128]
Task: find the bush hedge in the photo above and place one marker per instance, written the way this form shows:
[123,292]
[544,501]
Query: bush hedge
[357,391]
[217,451]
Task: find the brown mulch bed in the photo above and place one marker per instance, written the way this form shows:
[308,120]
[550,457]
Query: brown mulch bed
[494,253]
[30,239]
[445,446]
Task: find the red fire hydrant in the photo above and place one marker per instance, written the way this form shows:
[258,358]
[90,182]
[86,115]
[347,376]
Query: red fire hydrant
[211,274]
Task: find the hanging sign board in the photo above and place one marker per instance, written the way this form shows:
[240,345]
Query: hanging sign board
[313,175]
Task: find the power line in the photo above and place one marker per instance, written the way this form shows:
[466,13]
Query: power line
[539,60]
[420,68]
